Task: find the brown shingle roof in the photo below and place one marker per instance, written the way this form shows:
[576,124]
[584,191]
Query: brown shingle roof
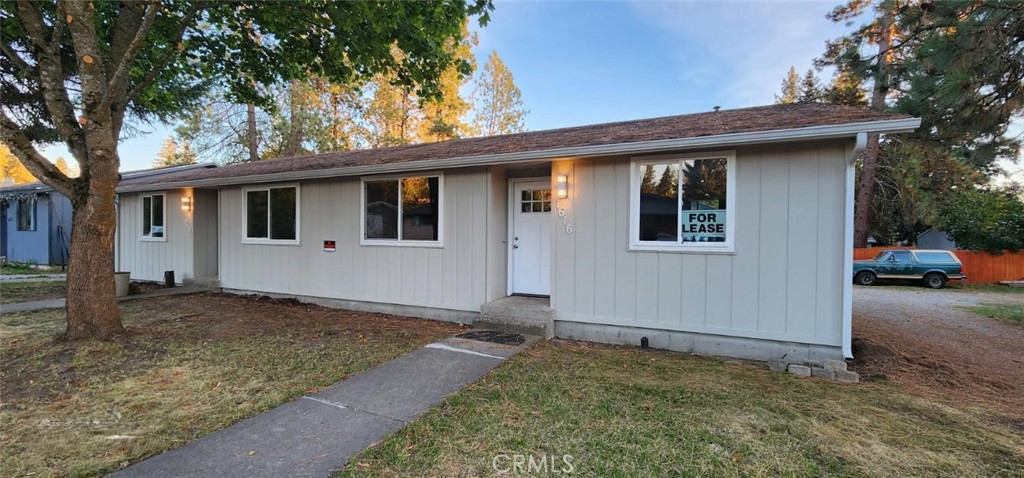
[744,120]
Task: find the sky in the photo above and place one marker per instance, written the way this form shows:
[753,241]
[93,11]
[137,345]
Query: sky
[585,62]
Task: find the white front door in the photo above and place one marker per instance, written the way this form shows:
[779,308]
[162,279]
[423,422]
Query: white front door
[531,237]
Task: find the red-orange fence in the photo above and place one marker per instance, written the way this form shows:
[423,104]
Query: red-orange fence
[980,267]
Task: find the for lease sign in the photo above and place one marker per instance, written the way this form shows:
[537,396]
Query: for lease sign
[705,225]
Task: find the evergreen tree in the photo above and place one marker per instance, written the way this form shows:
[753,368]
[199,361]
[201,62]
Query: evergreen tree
[499,104]
[647,183]
[667,184]
[173,153]
[790,88]
[810,90]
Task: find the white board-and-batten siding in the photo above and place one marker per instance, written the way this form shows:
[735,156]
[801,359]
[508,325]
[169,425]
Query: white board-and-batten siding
[784,281]
[449,277]
[147,260]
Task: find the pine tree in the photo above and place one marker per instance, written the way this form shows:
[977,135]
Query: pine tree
[443,116]
[173,153]
[647,183]
[667,184]
[790,88]
[810,90]
[846,89]
[499,107]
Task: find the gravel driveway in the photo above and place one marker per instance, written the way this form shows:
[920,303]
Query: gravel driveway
[924,339]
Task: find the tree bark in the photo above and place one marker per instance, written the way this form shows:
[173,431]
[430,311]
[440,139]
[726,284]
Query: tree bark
[869,163]
[91,298]
[253,144]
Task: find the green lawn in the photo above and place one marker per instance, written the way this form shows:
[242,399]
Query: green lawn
[191,365]
[621,411]
[1009,312]
[12,292]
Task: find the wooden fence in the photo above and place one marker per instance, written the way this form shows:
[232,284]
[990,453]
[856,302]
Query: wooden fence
[980,267]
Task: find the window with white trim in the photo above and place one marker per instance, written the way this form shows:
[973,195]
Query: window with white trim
[272,214]
[27,214]
[683,203]
[153,214]
[404,210]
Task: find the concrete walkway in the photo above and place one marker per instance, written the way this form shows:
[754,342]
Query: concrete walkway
[319,433]
[59,303]
[32,277]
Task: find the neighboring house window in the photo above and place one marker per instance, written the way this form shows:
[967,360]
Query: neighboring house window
[683,203]
[153,217]
[272,215]
[402,211]
[26,214]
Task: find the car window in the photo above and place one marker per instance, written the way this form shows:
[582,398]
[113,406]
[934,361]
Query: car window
[902,256]
[934,257]
[881,256]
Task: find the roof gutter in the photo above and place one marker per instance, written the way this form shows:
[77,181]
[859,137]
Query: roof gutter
[723,140]
[851,173]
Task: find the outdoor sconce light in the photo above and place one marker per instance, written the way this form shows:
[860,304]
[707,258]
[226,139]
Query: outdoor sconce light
[186,203]
[562,186]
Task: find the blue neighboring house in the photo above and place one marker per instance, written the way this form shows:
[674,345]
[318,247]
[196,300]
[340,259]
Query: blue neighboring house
[36,224]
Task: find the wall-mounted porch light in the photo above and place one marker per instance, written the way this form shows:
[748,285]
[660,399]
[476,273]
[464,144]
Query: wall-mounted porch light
[562,186]
[186,203]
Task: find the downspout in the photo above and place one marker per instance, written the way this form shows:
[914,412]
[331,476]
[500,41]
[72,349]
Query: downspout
[851,174]
[117,232]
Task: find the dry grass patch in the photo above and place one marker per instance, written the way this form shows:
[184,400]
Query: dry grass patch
[625,412]
[13,292]
[192,365]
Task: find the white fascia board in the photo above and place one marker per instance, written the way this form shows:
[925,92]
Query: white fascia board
[810,133]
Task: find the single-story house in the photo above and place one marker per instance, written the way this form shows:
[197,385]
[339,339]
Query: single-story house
[35,220]
[35,224]
[935,239]
[726,232]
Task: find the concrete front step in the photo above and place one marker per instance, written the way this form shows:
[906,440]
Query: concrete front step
[518,315]
[516,325]
[207,282]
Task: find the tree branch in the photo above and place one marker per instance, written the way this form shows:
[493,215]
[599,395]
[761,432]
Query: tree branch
[89,56]
[19,62]
[51,80]
[114,86]
[155,71]
[35,163]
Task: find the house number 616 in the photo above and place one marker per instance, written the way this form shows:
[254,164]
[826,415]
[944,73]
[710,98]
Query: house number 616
[565,220]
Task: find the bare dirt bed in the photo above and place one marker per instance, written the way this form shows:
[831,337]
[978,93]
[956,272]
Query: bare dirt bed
[927,342]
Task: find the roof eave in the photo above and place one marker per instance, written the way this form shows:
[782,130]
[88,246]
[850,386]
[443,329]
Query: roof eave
[810,133]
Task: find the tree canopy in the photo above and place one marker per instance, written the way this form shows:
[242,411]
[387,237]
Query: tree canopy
[957,65]
[85,72]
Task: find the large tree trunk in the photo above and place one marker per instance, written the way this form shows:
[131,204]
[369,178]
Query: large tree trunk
[251,134]
[865,192]
[91,298]
[869,163]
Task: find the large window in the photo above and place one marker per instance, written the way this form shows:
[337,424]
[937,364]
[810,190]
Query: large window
[402,211]
[272,215]
[153,217]
[26,214]
[683,203]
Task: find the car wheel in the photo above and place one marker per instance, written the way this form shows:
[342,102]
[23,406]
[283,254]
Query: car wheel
[865,278]
[934,281]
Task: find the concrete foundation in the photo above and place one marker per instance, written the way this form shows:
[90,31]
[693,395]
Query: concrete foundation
[446,315]
[704,344]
